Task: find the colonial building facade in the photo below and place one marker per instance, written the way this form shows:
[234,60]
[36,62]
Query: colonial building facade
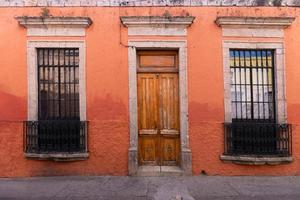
[145,87]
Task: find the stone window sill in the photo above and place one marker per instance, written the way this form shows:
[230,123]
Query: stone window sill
[58,156]
[252,160]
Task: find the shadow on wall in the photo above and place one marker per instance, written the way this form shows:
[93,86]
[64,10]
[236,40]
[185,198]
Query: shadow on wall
[293,113]
[107,108]
[13,108]
[203,112]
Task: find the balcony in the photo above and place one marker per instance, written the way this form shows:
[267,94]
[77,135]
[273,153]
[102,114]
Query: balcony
[257,143]
[58,139]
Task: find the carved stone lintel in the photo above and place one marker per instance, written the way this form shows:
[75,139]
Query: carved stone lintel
[29,22]
[253,22]
[156,20]
[157,25]
[55,26]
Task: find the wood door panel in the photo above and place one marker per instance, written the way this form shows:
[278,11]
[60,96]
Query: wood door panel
[158,59]
[147,101]
[148,150]
[168,101]
[169,118]
[148,132]
[147,119]
[170,150]
[169,132]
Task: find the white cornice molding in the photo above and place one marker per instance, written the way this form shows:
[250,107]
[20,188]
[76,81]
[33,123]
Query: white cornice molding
[255,22]
[156,20]
[156,25]
[54,21]
[55,26]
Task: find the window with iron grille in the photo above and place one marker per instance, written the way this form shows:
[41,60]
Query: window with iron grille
[58,128]
[252,85]
[254,129]
[58,84]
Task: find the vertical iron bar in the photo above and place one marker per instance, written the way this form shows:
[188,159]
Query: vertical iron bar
[59,100]
[45,140]
[263,88]
[258,100]
[74,81]
[235,89]
[245,85]
[59,85]
[241,93]
[251,88]
[47,116]
[263,85]
[273,87]
[70,97]
[53,85]
[65,83]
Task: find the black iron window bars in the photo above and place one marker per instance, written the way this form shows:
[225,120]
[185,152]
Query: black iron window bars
[58,128]
[254,130]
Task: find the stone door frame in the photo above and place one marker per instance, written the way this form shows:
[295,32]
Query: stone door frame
[181,46]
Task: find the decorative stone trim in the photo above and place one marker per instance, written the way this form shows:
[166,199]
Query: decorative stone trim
[156,25]
[266,27]
[58,156]
[156,20]
[55,21]
[55,26]
[255,22]
[63,3]
[181,45]
[251,160]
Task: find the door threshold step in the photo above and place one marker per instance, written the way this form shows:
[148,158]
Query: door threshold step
[159,171]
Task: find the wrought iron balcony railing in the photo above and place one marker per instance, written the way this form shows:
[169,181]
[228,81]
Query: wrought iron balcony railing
[55,136]
[258,139]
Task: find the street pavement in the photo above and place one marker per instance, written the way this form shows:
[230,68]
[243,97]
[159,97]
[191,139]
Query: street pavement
[151,188]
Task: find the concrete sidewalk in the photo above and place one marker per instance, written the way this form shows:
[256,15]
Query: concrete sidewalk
[156,188]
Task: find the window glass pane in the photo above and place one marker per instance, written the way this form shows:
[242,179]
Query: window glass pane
[253,58]
[247,57]
[242,58]
[236,59]
[264,58]
[232,75]
[270,60]
[231,58]
[259,59]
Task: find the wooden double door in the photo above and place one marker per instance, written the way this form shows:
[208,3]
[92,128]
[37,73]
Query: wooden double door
[158,108]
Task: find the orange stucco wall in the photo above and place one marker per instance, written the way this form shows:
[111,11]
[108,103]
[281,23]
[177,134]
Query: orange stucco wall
[107,91]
